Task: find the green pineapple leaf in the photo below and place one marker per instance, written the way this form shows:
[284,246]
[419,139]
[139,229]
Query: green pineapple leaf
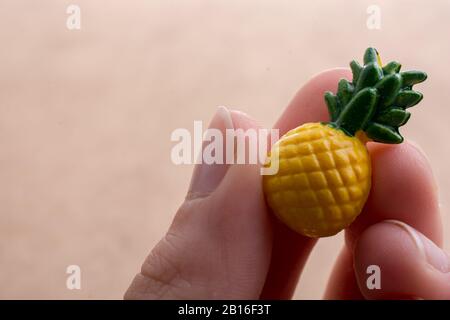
[392,67]
[345,91]
[375,100]
[411,78]
[358,111]
[371,56]
[408,98]
[369,76]
[356,70]
[395,117]
[389,88]
[383,133]
[332,104]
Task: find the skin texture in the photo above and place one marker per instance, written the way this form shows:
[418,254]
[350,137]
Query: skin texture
[224,243]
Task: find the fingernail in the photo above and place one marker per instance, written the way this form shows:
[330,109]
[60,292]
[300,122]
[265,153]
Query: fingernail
[415,145]
[207,177]
[418,147]
[430,252]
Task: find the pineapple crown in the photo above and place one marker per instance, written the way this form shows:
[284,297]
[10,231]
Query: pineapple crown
[375,101]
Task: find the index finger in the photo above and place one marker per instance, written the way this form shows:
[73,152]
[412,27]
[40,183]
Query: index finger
[403,189]
[290,249]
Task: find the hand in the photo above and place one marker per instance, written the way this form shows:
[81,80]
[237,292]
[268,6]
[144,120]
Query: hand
[225,244]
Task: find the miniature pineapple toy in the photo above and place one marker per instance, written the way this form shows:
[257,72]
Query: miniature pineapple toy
[324,174]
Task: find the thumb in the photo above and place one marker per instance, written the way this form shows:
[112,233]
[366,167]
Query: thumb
[410,265]
[217,246]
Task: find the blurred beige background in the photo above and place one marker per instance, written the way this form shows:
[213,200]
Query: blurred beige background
[86,116]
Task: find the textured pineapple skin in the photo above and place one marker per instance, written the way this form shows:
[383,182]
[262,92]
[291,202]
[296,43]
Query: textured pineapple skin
[323,180]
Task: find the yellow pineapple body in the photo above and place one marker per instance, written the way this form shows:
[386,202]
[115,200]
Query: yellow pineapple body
[323,180]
